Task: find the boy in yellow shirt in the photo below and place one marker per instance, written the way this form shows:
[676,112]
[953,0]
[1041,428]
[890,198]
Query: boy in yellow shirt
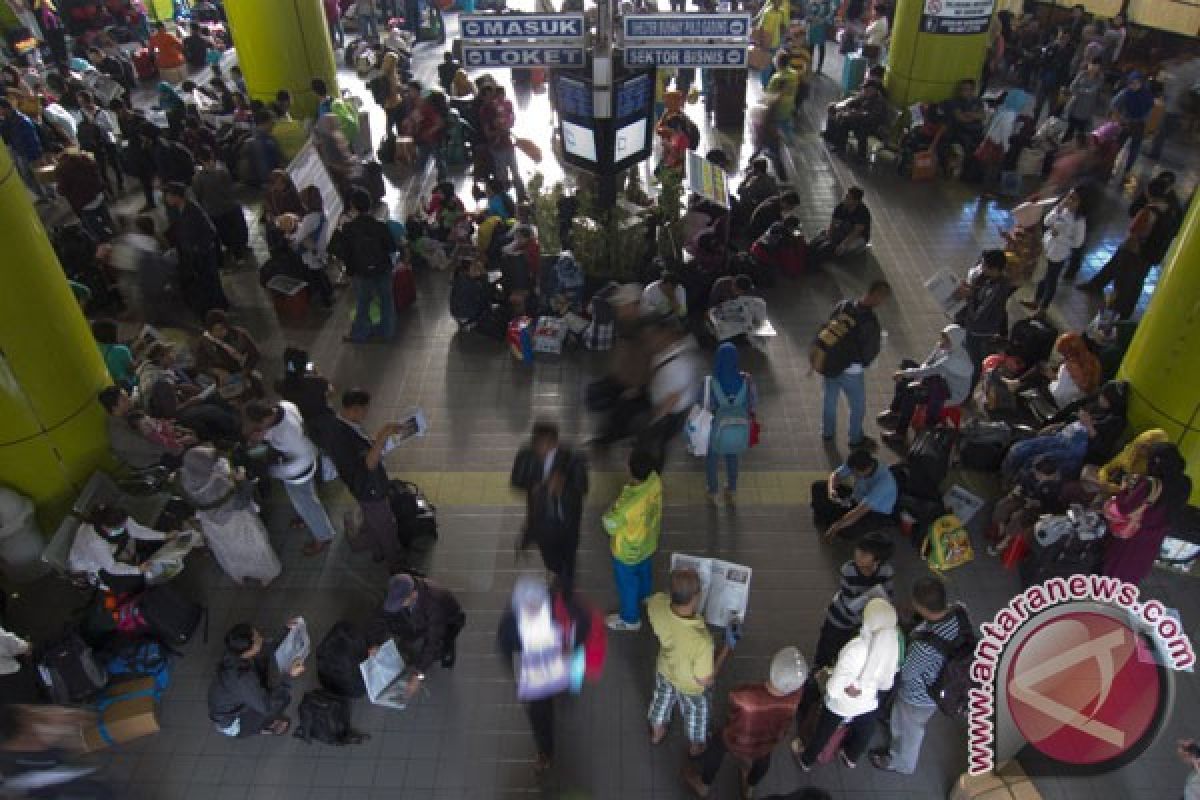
[633,525]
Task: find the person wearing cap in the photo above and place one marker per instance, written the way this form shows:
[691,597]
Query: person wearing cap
[665,297]
[942,379]
[866,666]
[423,619]
[759,717]
[861,114]
[1131,107]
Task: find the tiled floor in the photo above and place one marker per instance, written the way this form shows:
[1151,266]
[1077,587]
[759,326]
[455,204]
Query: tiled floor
[468,738]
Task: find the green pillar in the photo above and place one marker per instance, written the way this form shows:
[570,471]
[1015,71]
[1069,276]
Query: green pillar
[283,44]
[924,66]
[1161,363]
[52,429]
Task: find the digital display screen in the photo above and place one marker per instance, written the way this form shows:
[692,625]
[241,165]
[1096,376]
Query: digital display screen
[630,141]
[574,97]
[634,95]
[579,141]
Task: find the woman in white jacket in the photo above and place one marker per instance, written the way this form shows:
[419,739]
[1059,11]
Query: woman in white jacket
[1065,229]
[865,667]
[943,379]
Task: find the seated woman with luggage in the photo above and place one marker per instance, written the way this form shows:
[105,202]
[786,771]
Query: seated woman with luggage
[449,220]
[1066,447]
[1036,492]
[227,353]
[1077,375]
[245,697]
[472,299]
[1098,483]
[114,551]
[944,378]
[1141,515]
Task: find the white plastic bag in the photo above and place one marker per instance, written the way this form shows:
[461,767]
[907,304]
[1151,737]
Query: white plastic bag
[699,428]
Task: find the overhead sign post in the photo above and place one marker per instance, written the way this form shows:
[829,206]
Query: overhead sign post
[709,41]
[520,55]
[709,56]
[957,17]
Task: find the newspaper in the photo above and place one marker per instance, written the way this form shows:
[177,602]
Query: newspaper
[724,587]
[167,561]
[741,315]
[412,425]
[962,503]
[944,287]
[383,675]
[295,646]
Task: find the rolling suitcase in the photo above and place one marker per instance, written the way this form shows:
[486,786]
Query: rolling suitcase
[404,288]
[928,461]
[983,444]
[69,670]
[171,616]
[854,71]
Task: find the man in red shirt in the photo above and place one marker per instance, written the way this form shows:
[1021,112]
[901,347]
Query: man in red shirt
[760,716]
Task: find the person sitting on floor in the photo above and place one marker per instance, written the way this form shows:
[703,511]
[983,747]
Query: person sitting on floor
[759,186]
[774,209]
[665,297]
[140,441]
[861,114]
[1036,492]
[850,511]
[849,230]
[964,115]
[740,315]
[471,297]
[244,698]
[229,355]
[944,378]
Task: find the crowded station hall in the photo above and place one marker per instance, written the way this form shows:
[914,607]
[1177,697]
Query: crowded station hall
[598,399]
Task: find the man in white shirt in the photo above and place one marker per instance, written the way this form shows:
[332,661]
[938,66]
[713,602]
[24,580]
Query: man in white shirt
[673,389]
[282,427]
[665,297]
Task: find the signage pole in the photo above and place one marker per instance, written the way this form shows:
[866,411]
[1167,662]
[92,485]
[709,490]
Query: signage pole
[602,94]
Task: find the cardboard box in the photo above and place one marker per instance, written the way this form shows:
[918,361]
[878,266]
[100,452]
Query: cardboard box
[1008,782]
[128,711]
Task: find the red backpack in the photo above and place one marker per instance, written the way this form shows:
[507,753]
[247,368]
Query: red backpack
[595,647]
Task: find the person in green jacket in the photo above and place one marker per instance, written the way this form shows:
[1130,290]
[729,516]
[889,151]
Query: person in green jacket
[633,525]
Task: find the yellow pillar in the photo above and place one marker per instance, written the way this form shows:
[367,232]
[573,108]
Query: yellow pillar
[163,10]
[925,65]
[1161,363]
[52,430]
[283,44]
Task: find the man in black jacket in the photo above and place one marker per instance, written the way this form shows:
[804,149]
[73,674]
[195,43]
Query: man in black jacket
[366,247]
[359,461]
[985,314]
[195,238]
[555,479]
[862,344]
[423,619]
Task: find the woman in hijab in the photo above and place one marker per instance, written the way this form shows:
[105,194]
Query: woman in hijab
[1133,460]
[1080,372]
[540,646]
[943,379]
[1148,505]
[865,667]
[730,396]
[224,504]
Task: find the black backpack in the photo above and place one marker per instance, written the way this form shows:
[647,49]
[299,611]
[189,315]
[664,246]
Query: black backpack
[928,461]
[983,444]
[69,670]
[325,717]
[951,689]
[338,657]
[172,617]
[416,517]
[836,346]
[1032,340]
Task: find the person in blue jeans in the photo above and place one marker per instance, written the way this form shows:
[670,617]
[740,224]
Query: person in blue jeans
[732,400]
[856,346]
[633,525]
[366,246]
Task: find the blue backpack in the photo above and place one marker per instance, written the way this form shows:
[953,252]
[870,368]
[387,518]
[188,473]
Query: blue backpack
[142,657]
[731,421]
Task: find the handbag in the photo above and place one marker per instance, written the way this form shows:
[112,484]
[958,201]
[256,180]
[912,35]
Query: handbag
[1125,525]
[755,430]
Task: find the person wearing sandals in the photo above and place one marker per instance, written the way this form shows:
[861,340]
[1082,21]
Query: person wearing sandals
[865,667]
[730,395]
[245,699]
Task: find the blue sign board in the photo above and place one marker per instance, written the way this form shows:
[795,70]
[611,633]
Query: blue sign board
[634,96]
[521,26]
[687,26]
[522,55]
[574,96]
[729,56]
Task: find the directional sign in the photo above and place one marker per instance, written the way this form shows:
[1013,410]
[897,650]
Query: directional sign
[519,55]
[957,16]
[521,26]
[687,26]
[711,56]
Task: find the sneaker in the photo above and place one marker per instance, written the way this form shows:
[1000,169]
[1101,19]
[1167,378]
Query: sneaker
[615,623]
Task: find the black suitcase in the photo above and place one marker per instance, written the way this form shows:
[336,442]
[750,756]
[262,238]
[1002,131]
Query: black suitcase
[983,444]
[172,617]
[1066,557]
[324,717]
[338,657]
[416,517]
[69,671]
[928,461]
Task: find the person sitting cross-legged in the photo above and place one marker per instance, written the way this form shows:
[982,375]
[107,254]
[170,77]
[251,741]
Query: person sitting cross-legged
[850,511]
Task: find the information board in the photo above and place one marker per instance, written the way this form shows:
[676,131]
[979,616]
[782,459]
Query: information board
[522,55]
[634,96]
[686,26]
[521,26]
[711,56]
[574,96]
[707,180]
[957,16]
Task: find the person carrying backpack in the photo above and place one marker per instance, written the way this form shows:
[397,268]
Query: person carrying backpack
[845,346]
[933,647]
[730,396]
